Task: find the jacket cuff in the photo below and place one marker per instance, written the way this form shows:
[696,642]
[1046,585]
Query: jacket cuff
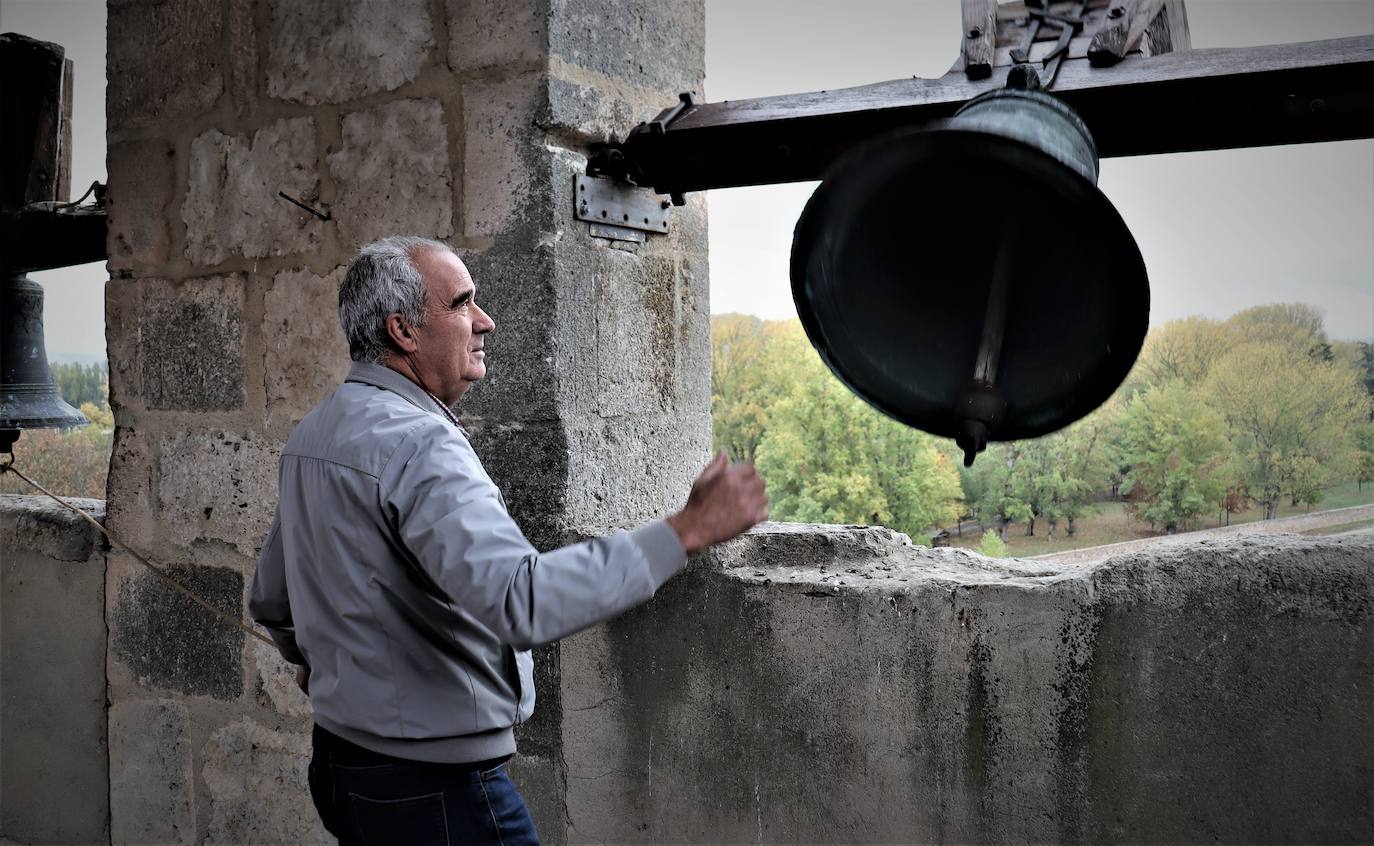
[661,548]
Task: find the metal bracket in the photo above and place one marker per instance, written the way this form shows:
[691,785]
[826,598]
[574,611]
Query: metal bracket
[608,159]
[617,210]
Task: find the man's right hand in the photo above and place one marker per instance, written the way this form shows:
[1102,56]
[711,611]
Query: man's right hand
[726,500]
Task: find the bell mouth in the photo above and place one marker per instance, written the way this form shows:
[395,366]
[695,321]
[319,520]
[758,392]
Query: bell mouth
[892,266]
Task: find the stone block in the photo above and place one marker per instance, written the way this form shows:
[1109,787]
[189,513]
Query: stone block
[218,486]
[245,80]
[626,470]
[693,372]
[140,202]
[651,45]
[123,308]
[232,205]
[191,344]
[305,355]
[153,786]
[392,173]
[539,781]
[505,178]
[164,61]
[130,506]
[276,682]
[590,109]
[255,781]
[529,463]
[636,351]
[168,642]
[489,33]
[524,358]
[322,51]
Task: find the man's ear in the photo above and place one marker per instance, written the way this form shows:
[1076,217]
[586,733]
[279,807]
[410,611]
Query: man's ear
[400,333]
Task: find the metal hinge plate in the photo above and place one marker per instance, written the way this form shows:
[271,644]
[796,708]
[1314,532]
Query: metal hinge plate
[611,206]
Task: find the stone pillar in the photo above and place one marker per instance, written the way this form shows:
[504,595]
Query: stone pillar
[463,120]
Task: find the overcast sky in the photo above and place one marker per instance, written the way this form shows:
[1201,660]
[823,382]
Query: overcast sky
[1220,231]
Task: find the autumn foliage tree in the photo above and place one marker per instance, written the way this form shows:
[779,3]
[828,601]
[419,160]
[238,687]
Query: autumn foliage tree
[1290,416]
[827,456]
[1180,456]
[75,461]
[1217,414]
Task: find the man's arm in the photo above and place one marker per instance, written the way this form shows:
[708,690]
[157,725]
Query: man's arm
[268,602]
[450,516]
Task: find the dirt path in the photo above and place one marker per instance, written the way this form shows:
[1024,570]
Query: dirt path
[1300,523]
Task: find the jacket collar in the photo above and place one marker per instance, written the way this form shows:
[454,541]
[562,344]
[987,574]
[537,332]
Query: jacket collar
[380,376]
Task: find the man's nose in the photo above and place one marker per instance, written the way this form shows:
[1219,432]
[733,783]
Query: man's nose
[483,324]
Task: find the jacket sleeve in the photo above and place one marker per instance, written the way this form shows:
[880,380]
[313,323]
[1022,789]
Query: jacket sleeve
[450,516]
[268,602]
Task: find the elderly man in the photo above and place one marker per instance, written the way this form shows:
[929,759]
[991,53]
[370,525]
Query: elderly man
[397,581]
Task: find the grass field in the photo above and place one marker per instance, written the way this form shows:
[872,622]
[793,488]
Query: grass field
[1110,523]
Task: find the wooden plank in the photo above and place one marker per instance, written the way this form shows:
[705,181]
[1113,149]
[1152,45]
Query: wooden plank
[1121,31]
[62,184]
[1168,32]
[1189,100]
[980,32]
[31,117]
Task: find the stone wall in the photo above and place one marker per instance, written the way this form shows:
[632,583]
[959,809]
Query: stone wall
[801,684]
[834,685]
[52,673]
[463,120]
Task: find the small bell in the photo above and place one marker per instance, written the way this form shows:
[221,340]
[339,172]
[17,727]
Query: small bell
[28,397]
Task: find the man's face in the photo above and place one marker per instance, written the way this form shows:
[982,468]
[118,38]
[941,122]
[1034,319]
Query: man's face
[449,355]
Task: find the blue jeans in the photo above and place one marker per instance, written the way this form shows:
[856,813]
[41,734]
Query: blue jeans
[366,798]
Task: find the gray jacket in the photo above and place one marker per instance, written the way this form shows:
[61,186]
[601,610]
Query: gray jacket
[394,572]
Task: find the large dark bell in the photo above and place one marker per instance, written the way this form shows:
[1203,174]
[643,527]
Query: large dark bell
[970,280]
[28,397]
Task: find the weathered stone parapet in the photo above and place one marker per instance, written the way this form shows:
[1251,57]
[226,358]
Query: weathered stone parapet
[36,524]
[52,673]
[833,684]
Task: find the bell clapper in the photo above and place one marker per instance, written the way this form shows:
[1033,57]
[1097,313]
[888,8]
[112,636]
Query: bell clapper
[982,405]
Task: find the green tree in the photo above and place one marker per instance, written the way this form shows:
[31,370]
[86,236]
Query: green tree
[1178,455]
[1297,326]
[68,462]
[1183,350]
[990,491]
[992,545]
[740,389]
[81,383]
[1364,455]
[1359,355]
[1286,413]
[829,457]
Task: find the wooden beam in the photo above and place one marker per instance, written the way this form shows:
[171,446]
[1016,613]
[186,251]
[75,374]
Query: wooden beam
[1190,100]
[980,33]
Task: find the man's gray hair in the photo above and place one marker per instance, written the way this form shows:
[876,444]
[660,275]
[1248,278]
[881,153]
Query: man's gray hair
[381,279]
